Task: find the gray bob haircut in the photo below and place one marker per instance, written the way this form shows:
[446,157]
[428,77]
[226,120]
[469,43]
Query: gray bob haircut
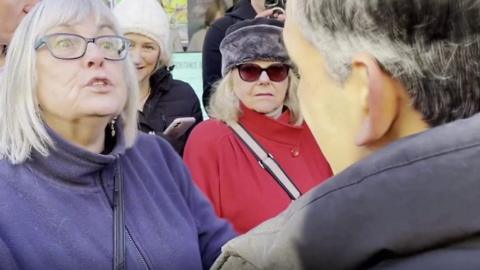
[22,129]
[431,46]
[225,105]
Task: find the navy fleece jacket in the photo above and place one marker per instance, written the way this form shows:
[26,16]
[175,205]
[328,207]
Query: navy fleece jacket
[55,211]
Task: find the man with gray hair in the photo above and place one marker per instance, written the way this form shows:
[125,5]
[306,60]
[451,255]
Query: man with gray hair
[390,89]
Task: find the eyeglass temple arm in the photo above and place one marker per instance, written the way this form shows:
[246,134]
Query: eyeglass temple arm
[39,43]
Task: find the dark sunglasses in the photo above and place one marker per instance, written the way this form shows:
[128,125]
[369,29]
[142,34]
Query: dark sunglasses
[250,72]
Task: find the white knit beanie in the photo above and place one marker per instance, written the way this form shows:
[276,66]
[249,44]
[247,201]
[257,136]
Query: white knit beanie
[146,17]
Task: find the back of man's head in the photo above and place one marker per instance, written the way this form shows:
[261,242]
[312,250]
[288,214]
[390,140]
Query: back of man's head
[431,46]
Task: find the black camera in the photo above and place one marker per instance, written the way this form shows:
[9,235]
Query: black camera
[269,4]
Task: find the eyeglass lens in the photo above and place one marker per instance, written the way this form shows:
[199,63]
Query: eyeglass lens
[70,46]
[251,72]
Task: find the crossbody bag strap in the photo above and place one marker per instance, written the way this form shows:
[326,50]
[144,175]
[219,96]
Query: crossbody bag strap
[118,220]
[266,161]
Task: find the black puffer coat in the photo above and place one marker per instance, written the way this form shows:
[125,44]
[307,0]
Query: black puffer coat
[169,99]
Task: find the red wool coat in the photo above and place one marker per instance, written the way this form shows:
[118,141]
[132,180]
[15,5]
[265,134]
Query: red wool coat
[228,173]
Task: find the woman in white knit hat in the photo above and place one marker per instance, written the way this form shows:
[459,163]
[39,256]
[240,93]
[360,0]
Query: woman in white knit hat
[162,99]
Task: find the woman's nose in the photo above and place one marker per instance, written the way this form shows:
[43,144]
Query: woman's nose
[94,57]
[264,76]
[135,56]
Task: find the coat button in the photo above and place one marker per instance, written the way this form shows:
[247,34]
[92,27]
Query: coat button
[295,152]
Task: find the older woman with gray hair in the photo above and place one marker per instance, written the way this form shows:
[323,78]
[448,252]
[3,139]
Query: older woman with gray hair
[79,189]
[257,119]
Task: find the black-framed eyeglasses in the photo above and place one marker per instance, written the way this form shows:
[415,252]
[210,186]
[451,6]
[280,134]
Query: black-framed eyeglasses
[250,72]
[68,46]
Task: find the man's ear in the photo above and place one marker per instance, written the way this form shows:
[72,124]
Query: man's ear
[380,101]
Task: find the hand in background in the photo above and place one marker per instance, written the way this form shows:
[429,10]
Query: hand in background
[274,13]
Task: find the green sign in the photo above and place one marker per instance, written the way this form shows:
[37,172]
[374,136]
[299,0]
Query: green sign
[188,68]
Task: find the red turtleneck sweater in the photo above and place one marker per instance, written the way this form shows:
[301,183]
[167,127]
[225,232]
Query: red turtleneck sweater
[228,173]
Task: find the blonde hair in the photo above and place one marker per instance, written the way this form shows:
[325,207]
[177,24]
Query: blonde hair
[22,129]
[225,105]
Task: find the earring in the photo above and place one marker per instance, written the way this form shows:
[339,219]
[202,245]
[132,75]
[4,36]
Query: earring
[112,126]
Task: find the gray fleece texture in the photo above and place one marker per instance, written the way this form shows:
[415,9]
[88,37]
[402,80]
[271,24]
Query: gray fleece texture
[250,40]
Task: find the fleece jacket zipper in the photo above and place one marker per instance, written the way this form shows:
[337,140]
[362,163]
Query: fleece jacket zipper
[129,237]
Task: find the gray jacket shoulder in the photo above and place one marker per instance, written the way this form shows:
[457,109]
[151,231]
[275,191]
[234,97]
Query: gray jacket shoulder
[418,195]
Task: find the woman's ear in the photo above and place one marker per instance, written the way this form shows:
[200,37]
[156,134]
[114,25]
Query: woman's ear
[380,101]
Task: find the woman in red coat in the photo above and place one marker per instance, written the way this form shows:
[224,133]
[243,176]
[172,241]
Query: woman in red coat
[258,91]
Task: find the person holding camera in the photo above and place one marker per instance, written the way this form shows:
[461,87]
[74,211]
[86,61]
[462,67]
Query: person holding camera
[211,64]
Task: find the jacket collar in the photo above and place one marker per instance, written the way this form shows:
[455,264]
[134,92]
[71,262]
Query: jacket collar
[160,84]
[279,130]
[158,79]
[71,165]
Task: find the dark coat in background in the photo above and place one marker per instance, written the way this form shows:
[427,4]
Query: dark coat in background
[169,99]
[211,57]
